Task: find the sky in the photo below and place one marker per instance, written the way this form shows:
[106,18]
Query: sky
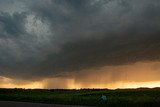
[79,43]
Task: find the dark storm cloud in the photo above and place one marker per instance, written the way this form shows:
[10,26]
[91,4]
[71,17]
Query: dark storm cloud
[57,37]
[12,25]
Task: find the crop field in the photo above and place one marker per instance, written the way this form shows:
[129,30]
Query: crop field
[88,97]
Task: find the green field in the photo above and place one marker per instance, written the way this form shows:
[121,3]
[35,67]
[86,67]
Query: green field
[91,97]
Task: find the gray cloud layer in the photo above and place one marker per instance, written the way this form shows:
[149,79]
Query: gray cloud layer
[59,37]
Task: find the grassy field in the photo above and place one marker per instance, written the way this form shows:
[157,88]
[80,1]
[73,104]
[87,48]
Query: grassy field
[91,97]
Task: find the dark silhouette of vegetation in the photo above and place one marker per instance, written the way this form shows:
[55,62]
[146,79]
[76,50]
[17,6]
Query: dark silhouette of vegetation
[91,97]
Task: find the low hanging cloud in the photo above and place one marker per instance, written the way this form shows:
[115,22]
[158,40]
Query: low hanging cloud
[59,38]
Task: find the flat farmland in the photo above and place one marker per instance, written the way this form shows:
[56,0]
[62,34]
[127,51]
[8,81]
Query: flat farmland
[85,97]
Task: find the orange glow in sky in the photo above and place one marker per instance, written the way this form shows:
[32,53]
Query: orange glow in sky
[112,77]
[72,85]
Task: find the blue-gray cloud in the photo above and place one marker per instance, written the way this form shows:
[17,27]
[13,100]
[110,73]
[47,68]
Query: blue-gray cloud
[58,37]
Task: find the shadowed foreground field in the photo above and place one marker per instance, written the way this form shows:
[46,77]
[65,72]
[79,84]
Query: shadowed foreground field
[87,97]
[28,104]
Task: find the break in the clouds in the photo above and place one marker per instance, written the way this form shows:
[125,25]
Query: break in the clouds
[60,38]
